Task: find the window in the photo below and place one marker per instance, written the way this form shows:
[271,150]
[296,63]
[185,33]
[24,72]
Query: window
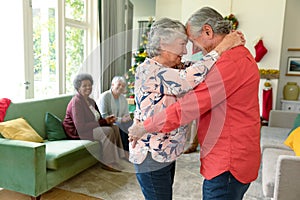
[46,46]
[44,36]
[76,28]
[61,34]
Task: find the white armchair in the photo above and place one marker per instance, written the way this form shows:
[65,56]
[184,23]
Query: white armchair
[287,178]
[280,166]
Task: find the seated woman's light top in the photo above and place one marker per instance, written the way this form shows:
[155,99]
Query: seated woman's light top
[113,102]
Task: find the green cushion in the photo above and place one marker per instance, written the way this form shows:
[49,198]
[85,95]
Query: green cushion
[67,151]
[54,127]
[296,124]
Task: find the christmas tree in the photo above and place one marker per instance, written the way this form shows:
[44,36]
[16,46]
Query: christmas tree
[234,21]
[139,57]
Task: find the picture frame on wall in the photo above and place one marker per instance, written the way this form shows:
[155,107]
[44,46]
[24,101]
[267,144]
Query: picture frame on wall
[293,66]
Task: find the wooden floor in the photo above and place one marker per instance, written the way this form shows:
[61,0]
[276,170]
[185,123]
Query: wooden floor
[54,194]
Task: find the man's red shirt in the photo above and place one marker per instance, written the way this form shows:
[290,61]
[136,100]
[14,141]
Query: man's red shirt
[227,108]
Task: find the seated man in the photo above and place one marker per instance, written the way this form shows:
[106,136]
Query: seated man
[113,102]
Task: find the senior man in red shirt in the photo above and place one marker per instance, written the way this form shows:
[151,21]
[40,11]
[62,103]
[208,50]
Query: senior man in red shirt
[227,108]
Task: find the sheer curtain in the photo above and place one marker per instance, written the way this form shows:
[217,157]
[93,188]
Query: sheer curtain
[111,23]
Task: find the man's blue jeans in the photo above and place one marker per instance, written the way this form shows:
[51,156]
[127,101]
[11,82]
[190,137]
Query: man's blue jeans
[224,187]
[156,179]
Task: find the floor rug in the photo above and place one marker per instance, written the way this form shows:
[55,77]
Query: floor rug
[107,185]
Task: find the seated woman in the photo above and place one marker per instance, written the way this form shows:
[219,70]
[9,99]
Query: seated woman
[112,102]
[83,121]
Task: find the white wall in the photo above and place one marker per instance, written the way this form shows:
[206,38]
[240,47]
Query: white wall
[291,39]
[256,19]
[169,8]
[142,10]
[190,6]
[264,20]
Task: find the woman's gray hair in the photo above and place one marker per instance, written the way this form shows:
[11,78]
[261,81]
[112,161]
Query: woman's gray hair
[117,79]
[207,15]
[81,77]
[164,30]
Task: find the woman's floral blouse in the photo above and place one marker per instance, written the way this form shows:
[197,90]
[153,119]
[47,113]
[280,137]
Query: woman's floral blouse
[157,87]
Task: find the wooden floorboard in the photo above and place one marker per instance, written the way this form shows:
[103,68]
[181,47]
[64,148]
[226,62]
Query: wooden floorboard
[54,194]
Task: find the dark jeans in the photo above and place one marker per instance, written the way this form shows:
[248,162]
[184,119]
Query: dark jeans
[123,128]
[224,187]
[124,138]
[156,179]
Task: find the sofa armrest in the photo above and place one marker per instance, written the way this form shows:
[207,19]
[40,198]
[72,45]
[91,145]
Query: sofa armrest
[273,137]
[23,166]
[275,146]
[287,180]
[283,119]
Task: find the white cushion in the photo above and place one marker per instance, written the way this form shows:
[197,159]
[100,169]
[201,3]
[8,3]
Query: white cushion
[269,160]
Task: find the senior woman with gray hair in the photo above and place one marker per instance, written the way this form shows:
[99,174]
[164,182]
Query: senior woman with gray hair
[160,80]
[84,121]
[113,102]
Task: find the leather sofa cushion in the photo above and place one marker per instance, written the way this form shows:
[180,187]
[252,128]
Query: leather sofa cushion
[62,151]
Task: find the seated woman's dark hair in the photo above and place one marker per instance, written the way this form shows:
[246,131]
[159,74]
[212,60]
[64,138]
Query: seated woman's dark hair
[81,77]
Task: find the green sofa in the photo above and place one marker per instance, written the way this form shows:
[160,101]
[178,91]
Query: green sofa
[33,168]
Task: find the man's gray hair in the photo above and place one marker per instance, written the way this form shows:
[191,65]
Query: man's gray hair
[164,30]
[117,79]
[211,17]
[82,77]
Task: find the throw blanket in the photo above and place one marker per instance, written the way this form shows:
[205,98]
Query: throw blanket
[4,103]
